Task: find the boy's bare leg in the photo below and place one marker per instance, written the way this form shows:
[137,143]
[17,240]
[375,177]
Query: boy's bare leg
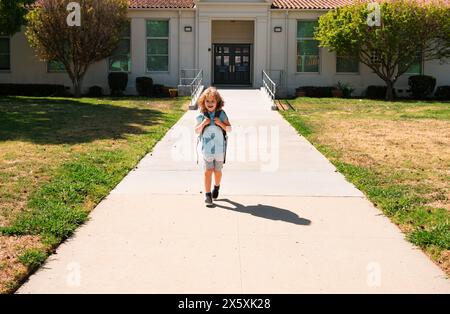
[217,177]
[208,180]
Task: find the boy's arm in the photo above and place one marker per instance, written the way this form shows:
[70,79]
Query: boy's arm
[200,126]
[225,125]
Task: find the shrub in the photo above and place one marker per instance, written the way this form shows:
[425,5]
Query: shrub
[421,85]
[40,90]
[158,90]
[377,92]
[144,86]
[117,83]
[442,92]
[346,89]
[95,91]
[316,91]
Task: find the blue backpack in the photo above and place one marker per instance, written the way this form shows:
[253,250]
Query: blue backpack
[212,135]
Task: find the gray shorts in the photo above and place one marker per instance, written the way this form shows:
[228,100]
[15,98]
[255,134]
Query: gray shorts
[215,165]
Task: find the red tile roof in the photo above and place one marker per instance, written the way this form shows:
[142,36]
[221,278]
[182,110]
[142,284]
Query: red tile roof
[332,4]
[160,4]
[277,4]
[309,4]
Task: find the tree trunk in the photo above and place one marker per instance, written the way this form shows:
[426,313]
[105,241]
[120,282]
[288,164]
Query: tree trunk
[389,90]
[77,85]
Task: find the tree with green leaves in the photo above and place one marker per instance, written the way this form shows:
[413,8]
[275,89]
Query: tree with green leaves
[408,29]
[76,47]
[12,15]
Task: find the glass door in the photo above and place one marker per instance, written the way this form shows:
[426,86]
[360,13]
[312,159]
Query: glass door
[232,64]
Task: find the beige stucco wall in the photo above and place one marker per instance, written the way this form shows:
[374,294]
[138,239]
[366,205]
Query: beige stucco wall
[254,23]
[232,32]
[181,45]
[27,68]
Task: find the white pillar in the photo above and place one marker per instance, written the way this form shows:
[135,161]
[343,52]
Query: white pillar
[205,48]
[138,53]
[260,53]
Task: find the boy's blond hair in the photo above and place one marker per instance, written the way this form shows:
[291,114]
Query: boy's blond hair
[210,91]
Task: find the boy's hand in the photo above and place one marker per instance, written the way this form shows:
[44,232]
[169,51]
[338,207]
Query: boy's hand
[217,121]
[207,121]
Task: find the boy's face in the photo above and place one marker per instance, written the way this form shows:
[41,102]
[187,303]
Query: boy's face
[211,103]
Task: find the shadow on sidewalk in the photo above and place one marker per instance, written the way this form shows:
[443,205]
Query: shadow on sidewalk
[265,211]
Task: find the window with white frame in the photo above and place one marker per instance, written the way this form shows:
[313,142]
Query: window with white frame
[120,59]
[5,54]
[347,64]
[307,47]
[157,45]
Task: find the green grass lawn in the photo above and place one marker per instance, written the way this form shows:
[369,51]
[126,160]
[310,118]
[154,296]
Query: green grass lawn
[397,153]
[58,158]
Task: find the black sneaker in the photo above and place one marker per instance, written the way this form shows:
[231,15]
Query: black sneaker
[215,192]
[208,200]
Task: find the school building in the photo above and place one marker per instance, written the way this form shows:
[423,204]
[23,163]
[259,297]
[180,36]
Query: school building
[230,42]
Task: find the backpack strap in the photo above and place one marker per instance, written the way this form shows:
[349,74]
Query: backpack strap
[205,116]
[217,115]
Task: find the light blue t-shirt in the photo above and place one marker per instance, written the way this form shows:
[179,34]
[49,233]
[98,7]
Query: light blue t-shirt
[223,116]
[213,144]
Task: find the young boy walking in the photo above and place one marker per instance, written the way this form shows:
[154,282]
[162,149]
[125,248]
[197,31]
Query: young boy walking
[212,126]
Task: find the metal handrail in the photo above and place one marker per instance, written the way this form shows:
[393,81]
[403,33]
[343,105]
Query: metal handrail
[195,87]
[269,86]
[277,76]
[192,80]
[188,79]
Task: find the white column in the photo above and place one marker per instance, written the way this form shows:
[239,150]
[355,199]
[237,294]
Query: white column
[204,48]
[269,41]
[260,55]
[138,52]
[179,46]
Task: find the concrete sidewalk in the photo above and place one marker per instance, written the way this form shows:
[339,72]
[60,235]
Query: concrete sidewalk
[286,222]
